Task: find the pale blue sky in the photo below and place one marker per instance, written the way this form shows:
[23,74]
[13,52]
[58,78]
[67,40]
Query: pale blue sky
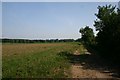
[47,20]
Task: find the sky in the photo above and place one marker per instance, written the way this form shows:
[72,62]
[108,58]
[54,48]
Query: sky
[47,20]
[0,19]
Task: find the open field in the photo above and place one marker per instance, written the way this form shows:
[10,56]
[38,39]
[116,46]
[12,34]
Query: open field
[37,60]
[53,60]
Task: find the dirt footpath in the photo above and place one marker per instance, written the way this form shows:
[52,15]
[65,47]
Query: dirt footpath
[88,66]
[78,72]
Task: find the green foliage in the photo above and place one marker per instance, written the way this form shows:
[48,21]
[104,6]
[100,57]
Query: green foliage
[35,41]
[108,25]
[37,60]
[87,35]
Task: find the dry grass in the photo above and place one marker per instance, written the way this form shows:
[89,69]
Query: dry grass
[36,60]
[18,49]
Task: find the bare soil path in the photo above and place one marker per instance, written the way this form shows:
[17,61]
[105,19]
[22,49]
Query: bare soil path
[89,66]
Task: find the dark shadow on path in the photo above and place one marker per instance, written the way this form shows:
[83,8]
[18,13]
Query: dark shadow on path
[92,62]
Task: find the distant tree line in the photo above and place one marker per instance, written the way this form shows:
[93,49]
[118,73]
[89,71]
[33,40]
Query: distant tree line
[107,40]
[37,41]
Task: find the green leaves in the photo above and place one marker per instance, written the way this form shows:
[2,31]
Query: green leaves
[87,35]
[108,25]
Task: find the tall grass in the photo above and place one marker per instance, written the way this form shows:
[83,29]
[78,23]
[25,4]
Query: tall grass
[37,60]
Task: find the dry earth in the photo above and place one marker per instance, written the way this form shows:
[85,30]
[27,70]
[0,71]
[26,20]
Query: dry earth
[90,66]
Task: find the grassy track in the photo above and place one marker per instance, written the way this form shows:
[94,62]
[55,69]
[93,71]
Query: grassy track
[37,60]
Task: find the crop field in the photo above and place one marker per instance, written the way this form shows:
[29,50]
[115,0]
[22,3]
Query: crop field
[41,60]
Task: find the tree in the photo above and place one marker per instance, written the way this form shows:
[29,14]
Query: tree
[108,25]
[87,35]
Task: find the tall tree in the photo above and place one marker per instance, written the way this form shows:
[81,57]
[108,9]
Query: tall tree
[108,25]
